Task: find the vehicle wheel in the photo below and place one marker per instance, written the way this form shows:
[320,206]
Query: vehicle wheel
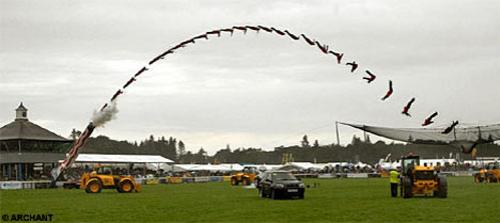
[94,186]
[482,179]
[401,188]
[443,187]
[408,193]
[273,195]
[488,178]
[244,181]
[301,196]
[261,193]
[126,186]
[477,178]
[234,182]
[493,178]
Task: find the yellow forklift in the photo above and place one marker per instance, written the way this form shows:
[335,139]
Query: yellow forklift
[245,177]
[103,178]
[488,174]
[419,180]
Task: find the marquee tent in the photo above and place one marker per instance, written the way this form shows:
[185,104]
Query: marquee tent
[112,158]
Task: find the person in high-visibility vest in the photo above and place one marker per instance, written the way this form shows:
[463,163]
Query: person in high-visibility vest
[394,179]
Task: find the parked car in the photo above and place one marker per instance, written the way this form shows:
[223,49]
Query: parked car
[278,184]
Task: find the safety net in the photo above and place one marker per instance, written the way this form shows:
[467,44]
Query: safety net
[464,137]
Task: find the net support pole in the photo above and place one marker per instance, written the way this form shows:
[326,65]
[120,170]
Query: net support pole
[337,132]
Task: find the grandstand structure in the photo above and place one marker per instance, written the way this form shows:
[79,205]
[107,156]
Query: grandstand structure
[27,150]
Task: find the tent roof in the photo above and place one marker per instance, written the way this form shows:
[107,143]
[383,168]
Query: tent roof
[264,166]
[302,166]
[224,167]
[112,158]
[26,130]
[30,157]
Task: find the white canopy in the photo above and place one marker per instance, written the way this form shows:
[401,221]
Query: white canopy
[264,167]
[341,164]
[302,166]
[434,162]
[112,158]
[224,167]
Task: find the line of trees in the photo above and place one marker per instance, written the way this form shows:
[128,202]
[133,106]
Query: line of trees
[357,150]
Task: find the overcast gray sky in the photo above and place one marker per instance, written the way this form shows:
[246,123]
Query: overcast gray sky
[64,59]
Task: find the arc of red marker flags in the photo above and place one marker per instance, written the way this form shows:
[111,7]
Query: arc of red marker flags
[322,47]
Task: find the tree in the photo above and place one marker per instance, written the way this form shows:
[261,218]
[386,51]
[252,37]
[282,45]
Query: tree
[182,149]
[75,134]
[305,142]
[201,156]
[355,140]
[202,152]
[316,144]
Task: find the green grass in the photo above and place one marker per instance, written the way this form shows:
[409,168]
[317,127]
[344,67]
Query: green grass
[333,200]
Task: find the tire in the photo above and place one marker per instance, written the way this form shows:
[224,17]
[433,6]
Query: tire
[477,178]
[407,187]
[492,178]
[246,181]
[261,193]
[93,186]
[234,182]
[488,178]
[401,188]
[442,187]
[126,186]
[301,196]
[273,194]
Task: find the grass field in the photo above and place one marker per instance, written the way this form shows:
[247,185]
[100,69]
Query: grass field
[333,200]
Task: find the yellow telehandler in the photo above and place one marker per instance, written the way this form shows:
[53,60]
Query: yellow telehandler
[103,178]
[419,180]
[245,177]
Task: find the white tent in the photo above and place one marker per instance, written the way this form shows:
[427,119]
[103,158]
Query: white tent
[434,162]
[185,167]
[294,166]
[362,165]
[225,167]
[389,165]
[340,164]
[112,158]
[264,167]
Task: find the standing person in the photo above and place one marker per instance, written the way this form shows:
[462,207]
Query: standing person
[394,179]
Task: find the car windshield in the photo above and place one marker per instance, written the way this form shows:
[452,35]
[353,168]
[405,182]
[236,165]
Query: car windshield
[283,176]
[424,175]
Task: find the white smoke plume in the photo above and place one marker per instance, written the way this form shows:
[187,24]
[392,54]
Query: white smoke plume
[99,118]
